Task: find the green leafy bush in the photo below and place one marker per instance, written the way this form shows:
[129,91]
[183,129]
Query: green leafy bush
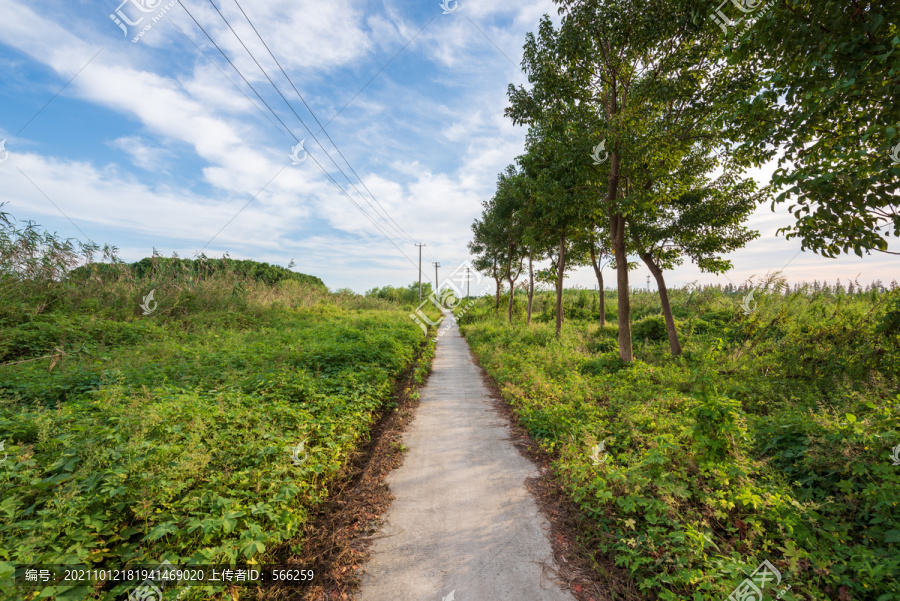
[651,328]
[770,439]
[136,437]
[603,345]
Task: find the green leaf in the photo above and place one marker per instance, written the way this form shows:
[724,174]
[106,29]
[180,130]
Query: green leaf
[161,531]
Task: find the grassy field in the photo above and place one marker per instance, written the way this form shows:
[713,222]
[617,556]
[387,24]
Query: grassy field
[134,438]
[770,439]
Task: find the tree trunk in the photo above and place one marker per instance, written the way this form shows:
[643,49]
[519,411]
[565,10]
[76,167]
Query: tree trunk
[617,227]
[617,236]
[599,273]
[674,344]
[497,296]
[560,270]
[512,296]
[530,283]
[509,279]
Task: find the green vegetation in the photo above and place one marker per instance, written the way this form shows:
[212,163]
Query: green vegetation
[408,296]
[841,188]
[769,438]
[198,268]
[644,118]
[135,438]
[763,434]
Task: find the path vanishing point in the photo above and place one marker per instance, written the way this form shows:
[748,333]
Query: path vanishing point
[462,527]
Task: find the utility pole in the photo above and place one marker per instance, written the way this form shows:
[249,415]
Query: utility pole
[648,283]
[467,282]
[420,270]
[436,265]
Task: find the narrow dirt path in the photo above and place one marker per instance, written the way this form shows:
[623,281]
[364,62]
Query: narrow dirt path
[463,526]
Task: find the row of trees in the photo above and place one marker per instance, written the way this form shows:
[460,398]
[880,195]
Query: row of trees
[823,287]
[202,268]
[643,117]
[405,296]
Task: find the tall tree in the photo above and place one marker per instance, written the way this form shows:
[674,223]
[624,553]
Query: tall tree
[559,205]
[592,248]
[530,283]
[497,240]
[487,253]
[508,206]
[654,81]
[830,75]
[700,224]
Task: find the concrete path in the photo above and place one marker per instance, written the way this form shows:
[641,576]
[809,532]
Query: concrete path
[463,527]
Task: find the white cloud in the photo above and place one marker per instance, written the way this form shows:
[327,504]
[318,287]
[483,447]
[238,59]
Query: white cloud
[428,143]
[143,155]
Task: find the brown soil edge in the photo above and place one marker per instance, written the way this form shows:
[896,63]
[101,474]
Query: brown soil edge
[336,537]
[588,575]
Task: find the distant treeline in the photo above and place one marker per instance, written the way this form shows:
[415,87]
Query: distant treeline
[853,287]
[199,268]
[403,296]
[816,287]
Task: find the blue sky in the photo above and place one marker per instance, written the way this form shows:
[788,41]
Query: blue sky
[158,143]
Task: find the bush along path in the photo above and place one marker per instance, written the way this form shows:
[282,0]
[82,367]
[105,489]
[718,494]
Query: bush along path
[463,526]
[181,444]
[771,444]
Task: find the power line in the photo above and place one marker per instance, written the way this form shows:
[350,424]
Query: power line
[319,123]
[238,71]
[299,118]
[224,75]
[430,256]
[328,175]
[88,238]
[385,66]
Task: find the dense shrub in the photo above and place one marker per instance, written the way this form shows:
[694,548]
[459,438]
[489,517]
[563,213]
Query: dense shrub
[770,439]
[150,267]
[134,437]
[650,328]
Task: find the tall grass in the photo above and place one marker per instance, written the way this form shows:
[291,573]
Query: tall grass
[41,272]
[135,436]
[770,438]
